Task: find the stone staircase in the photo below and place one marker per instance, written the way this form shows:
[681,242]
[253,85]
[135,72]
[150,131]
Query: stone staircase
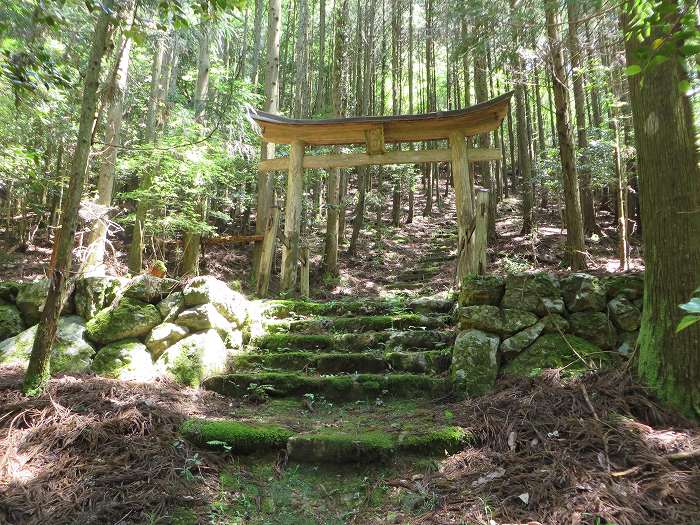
[340,382]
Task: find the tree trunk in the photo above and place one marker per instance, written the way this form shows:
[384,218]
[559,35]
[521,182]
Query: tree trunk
[587,208]
[575,247]
[669,180]
[136,248]
[257,41]
[39,370]
[330,261]
[105,182]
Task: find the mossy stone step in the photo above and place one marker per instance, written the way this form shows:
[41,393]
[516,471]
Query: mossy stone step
[432,362]
[324,446]
[336,388]
[283,308]
[438,259]
[405,285]
[239,437]
[396,340]
[359,324]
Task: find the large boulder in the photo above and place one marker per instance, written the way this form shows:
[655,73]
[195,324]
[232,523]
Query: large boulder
[522,339]
[128,359]
[594,327]
[503,322]
[583,293]
[10,321]
[629,285]
[569,352]
[124,319]
[195,358]
[150,289]
[92,294]
[207,289]
[205,317]
[482,289]
[171,306]
[163,336]
[9,291]
[537,292]
[624,314]
[31,298]
[474,362]
[70,353]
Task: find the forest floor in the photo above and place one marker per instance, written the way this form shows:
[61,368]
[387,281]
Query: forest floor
[594,450]
[384,252]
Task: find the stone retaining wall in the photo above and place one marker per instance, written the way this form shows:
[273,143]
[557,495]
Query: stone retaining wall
[525,322]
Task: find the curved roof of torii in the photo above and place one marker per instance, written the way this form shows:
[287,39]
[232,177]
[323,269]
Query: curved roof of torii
[481,118]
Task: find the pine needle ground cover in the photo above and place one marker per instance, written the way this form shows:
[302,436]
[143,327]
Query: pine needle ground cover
[592,449]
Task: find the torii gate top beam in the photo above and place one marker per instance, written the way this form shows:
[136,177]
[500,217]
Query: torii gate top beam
[375,131]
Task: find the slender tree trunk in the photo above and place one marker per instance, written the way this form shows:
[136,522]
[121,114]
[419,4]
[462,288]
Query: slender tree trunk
[257,41]
[575,246]
[39,370]
[587,208]
[669,181]
[105,182]
[481,93]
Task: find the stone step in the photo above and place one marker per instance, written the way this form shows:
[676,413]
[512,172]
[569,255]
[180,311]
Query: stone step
[284,308]
[404,285]
[334,446]
[389,340]
[438,259]
[428,362]
[333,387]
[324,325]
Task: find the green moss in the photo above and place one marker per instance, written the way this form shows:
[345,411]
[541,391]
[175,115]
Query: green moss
[284,361]
[288,307]
[555,351]
[338,447]
[481,290]
[338,363]
[187,368]
[450,439]
[128,318]
[337,388]
[279,342]
[242,438]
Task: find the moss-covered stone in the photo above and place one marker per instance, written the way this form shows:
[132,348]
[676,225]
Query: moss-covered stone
[150,289]
[94,293]
[482,290]
[440,303]
[435,362]
[419,339]
[240,437]
[537,292]
[555,324]
[207,289]
[624,314]
[70,352]
[343,387]
[443,440]
[11,322]
[630,286]
[31,298]
[127,318]
[205,317]
[365,324]
[195,358]
[595,327]
[289,307]
[163,336]
[128,359]
[349,363]
[627,342]
[9,291]
[339,448]
[279,361]
[522,339]
[171,306]
[474,362]
[293,342]
[501,321]
[555,351]
[583,293]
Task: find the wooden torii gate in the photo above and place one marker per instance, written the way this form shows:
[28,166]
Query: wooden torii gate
[375,132]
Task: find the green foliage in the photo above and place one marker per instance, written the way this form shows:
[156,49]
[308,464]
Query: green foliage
[693,309]
[239,437]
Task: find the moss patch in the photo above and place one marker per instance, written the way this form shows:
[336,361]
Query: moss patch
[128,318]
[240,437]
[292,342]
[288,307]
[450,439]
[346,387]
[338,447]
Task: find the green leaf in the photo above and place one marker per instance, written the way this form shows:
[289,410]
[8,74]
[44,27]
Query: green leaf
[692,306]
[684,86]
[633,69]
[687,321]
